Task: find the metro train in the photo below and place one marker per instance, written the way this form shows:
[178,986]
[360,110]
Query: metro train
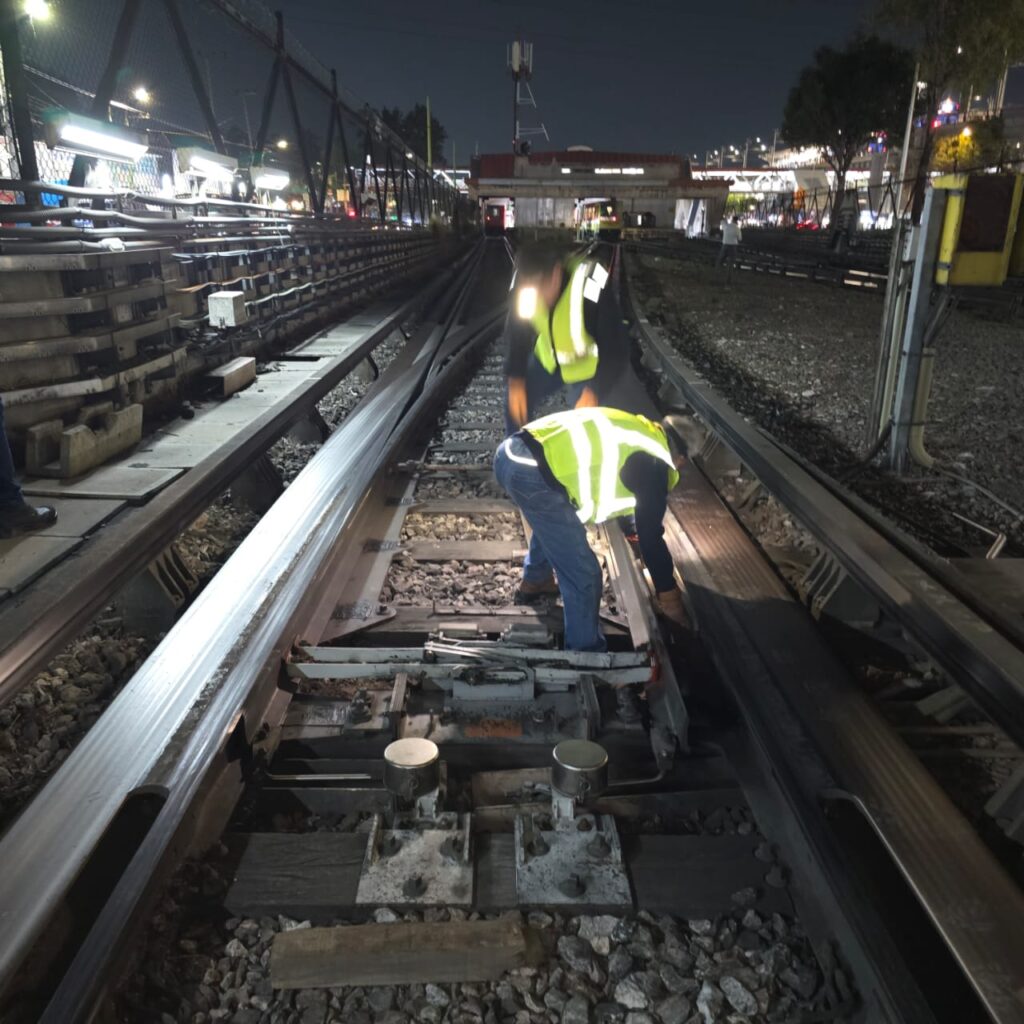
[498,217]
[599,218]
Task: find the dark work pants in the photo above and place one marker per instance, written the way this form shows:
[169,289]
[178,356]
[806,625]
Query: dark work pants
[558,541]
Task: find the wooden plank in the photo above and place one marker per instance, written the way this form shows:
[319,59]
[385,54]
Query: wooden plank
[494,887]
[695,876]
[467,550]
[308,876]
[234,376]
[398,954]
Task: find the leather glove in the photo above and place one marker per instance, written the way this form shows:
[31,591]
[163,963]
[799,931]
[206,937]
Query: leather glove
[587,399]
[670,604]
[517,406]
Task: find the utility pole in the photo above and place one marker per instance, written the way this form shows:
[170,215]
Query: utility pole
[430,140]
[905,155]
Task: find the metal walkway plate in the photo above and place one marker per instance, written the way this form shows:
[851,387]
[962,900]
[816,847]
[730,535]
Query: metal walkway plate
[134,484]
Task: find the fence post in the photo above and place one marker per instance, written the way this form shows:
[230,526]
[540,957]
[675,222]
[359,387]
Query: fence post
[17,90]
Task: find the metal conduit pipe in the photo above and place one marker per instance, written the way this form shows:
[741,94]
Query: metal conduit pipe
[915,439]
[69,248]
[922,393]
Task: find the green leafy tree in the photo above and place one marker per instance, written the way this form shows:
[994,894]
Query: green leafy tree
[959,45]
[412,127]
[845,97]
[975,145]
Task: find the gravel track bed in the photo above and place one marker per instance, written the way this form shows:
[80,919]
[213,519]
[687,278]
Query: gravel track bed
[799,359]
[496,526]
[459,583]
[202,966]
[290,456]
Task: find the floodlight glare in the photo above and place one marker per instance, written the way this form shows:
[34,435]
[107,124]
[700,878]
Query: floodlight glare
[92,137]
[271,179]
[205,163]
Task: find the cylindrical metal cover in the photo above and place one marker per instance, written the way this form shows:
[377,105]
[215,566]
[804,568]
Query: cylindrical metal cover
[580,769]
[412,767]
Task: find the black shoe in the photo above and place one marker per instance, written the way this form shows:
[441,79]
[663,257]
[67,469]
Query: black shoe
[23,518]
[532,593]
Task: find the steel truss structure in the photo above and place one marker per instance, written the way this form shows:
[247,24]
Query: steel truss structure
[382,161]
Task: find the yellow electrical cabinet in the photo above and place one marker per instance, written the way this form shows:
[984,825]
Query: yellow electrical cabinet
[980,239]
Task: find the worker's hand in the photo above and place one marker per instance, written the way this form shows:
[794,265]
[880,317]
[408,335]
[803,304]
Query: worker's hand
[587,399]
[517,400]
[679,461]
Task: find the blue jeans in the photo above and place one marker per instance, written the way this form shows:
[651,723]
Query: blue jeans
[10,492]
[559,542]
[540,386]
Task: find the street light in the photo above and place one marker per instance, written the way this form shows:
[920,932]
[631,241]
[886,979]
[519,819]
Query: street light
[142,95]
[282,143]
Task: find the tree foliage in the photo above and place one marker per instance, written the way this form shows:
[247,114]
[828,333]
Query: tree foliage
[959,43]
[976,145]
[412,127]
[845,97]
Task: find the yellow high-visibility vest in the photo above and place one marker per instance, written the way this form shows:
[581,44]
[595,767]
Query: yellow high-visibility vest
[585,449]
[563,341]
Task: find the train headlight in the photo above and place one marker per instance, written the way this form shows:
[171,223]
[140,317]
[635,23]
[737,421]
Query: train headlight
[526,303]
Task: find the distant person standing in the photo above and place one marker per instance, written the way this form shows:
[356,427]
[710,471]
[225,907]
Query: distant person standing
[16,514]
[732,235]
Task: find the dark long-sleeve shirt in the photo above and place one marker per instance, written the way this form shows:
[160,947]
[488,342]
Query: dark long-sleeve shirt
[603,322]
[647,478]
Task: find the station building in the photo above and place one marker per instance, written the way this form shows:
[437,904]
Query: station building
[546,189]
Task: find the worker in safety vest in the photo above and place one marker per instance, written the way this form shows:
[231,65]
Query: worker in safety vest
[564,330]
[583,466]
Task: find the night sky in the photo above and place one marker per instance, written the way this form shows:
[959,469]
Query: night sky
[653,75]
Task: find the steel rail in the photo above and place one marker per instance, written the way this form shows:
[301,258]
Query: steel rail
[35,627]
[821,740]
[977,657]
[165,730]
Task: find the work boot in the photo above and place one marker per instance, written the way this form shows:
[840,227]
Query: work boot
[21,518]
[670,604]
[530,593]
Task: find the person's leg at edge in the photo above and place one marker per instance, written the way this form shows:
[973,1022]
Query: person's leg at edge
[17,515]
[10,492]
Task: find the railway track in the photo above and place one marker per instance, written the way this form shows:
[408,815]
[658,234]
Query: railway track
[36,622]
[812,263]
[373,605]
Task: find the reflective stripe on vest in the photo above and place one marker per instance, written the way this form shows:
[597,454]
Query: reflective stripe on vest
[585,450]
[572,350]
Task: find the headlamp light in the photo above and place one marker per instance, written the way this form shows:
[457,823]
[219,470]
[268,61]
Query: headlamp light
[526,303]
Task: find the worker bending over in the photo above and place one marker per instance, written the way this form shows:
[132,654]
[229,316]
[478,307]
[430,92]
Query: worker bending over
[584,466]
[564,330]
